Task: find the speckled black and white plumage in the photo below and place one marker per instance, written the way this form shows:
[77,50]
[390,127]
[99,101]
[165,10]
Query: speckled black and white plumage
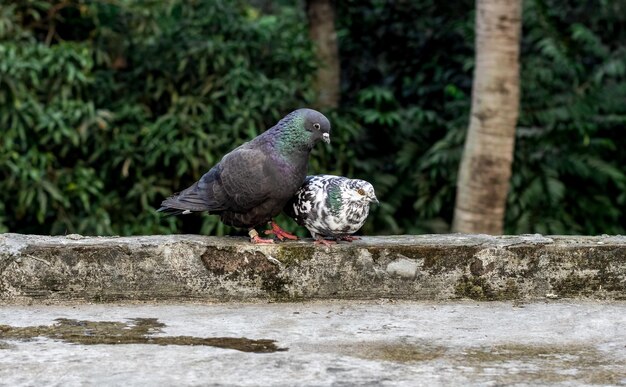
[331,206]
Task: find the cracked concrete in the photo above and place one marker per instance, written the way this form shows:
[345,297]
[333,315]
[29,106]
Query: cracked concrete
[425,267]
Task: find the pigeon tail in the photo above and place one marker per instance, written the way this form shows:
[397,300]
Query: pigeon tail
[169,211]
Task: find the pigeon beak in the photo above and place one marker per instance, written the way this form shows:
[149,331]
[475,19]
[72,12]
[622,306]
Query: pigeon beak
[373,199]
[326,138]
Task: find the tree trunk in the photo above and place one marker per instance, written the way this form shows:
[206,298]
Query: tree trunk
[485,170]
[321,15]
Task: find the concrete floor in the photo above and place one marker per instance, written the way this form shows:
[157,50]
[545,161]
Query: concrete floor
[339,343]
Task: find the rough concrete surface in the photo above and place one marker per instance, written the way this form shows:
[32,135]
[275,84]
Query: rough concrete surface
[317,343]
[424,267]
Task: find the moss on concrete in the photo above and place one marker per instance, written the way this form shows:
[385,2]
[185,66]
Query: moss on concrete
[190,266]
[290,254]
[246,268]
[480,289]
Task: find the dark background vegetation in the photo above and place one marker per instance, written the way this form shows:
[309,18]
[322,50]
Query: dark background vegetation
[108,106]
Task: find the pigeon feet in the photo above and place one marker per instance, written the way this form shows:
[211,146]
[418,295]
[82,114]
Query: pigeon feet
[256,239]
[325,242]
[328,242]
[349,238]
[279,232]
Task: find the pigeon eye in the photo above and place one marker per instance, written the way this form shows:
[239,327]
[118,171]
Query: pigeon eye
[360,191]
[316,126]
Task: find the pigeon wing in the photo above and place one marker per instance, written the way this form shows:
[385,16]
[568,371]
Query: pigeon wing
[248,178]
[300,206]
[201,196]
[241,181]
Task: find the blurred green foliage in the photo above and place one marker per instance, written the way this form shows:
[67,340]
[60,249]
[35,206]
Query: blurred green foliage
[570,164]
[108,106]
[407,72]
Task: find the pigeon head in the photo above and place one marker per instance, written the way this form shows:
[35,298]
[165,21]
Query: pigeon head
[317,125]
[302,129]
[360,191]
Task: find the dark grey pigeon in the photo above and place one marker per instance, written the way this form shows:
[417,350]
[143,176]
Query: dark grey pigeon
[252,184]
[331,206]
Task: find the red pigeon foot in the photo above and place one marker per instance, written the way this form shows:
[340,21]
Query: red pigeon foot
[349,238]
[325,242]
[279,232]
[256,239]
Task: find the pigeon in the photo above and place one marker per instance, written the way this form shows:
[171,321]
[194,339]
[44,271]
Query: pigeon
[252,183]
[331,206]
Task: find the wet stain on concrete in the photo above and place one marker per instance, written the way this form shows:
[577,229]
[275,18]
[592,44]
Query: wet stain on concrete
[4,345]
[503,363]
[404,353]
[133,331]
[545,364]
[395,352]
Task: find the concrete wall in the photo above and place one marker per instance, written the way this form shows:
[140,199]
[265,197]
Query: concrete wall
[424,267]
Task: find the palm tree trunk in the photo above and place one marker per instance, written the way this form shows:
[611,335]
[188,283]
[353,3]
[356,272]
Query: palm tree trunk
[485,168]
[321,15]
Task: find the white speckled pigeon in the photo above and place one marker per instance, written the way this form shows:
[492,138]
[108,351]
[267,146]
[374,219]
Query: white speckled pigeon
[331,206]
[252,183]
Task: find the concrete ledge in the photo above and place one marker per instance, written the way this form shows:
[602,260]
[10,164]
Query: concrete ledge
[425,267]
